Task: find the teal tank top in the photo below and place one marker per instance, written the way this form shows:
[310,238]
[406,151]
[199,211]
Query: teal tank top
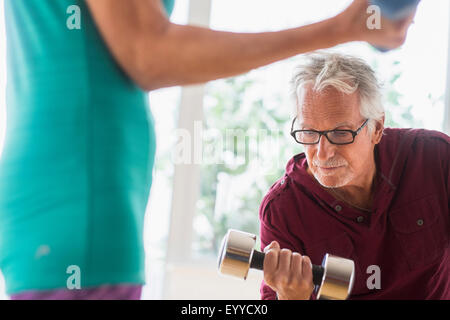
[76,167]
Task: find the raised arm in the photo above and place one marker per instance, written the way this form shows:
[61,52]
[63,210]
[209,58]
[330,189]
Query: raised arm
[156,53]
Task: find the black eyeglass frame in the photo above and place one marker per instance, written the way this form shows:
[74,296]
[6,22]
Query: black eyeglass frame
[325,133]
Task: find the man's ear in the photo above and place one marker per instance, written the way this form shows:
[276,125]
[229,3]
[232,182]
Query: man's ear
[378,131]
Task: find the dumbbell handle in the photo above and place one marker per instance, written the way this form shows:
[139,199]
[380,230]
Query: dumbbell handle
[257,262]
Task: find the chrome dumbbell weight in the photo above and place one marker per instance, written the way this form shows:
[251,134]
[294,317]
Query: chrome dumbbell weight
[333,279]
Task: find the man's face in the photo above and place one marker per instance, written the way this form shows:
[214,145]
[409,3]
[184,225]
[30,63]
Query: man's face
[335,166]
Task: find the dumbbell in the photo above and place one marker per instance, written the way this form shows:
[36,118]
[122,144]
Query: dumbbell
[333,280]
[395,10]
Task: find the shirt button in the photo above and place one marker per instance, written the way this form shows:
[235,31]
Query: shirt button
[420,222]
[338,208]
[360,219]
[282,181]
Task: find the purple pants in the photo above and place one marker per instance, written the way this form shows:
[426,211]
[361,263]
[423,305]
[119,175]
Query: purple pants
[105,292]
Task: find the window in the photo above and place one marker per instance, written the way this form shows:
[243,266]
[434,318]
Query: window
[413,78]
[246,121]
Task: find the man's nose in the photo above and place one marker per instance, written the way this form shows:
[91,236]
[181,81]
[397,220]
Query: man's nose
[325,149]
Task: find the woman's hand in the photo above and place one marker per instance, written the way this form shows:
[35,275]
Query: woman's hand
[358,24]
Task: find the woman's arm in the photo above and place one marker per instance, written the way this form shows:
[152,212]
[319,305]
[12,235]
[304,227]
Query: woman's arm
[156,53]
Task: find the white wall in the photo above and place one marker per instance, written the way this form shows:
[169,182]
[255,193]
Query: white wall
[447,98]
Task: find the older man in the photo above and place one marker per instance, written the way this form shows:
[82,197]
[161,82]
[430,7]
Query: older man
[378,196]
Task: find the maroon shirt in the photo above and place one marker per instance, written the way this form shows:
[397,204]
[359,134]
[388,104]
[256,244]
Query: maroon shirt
[407,234]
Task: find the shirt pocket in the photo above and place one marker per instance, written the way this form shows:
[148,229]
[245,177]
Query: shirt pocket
[421,231]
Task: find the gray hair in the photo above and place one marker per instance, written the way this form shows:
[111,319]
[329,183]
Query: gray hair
[345,73]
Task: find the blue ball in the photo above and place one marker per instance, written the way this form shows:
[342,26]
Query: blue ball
[396,9]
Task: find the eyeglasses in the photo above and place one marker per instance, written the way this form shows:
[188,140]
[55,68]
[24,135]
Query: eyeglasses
[339,137]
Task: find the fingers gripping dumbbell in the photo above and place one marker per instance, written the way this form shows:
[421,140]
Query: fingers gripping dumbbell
[333,279]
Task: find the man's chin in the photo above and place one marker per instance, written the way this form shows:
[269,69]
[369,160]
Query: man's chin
[331,179]
[331,182]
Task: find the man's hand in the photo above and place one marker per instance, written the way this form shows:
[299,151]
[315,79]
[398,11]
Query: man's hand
[354,22]
[288,274]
